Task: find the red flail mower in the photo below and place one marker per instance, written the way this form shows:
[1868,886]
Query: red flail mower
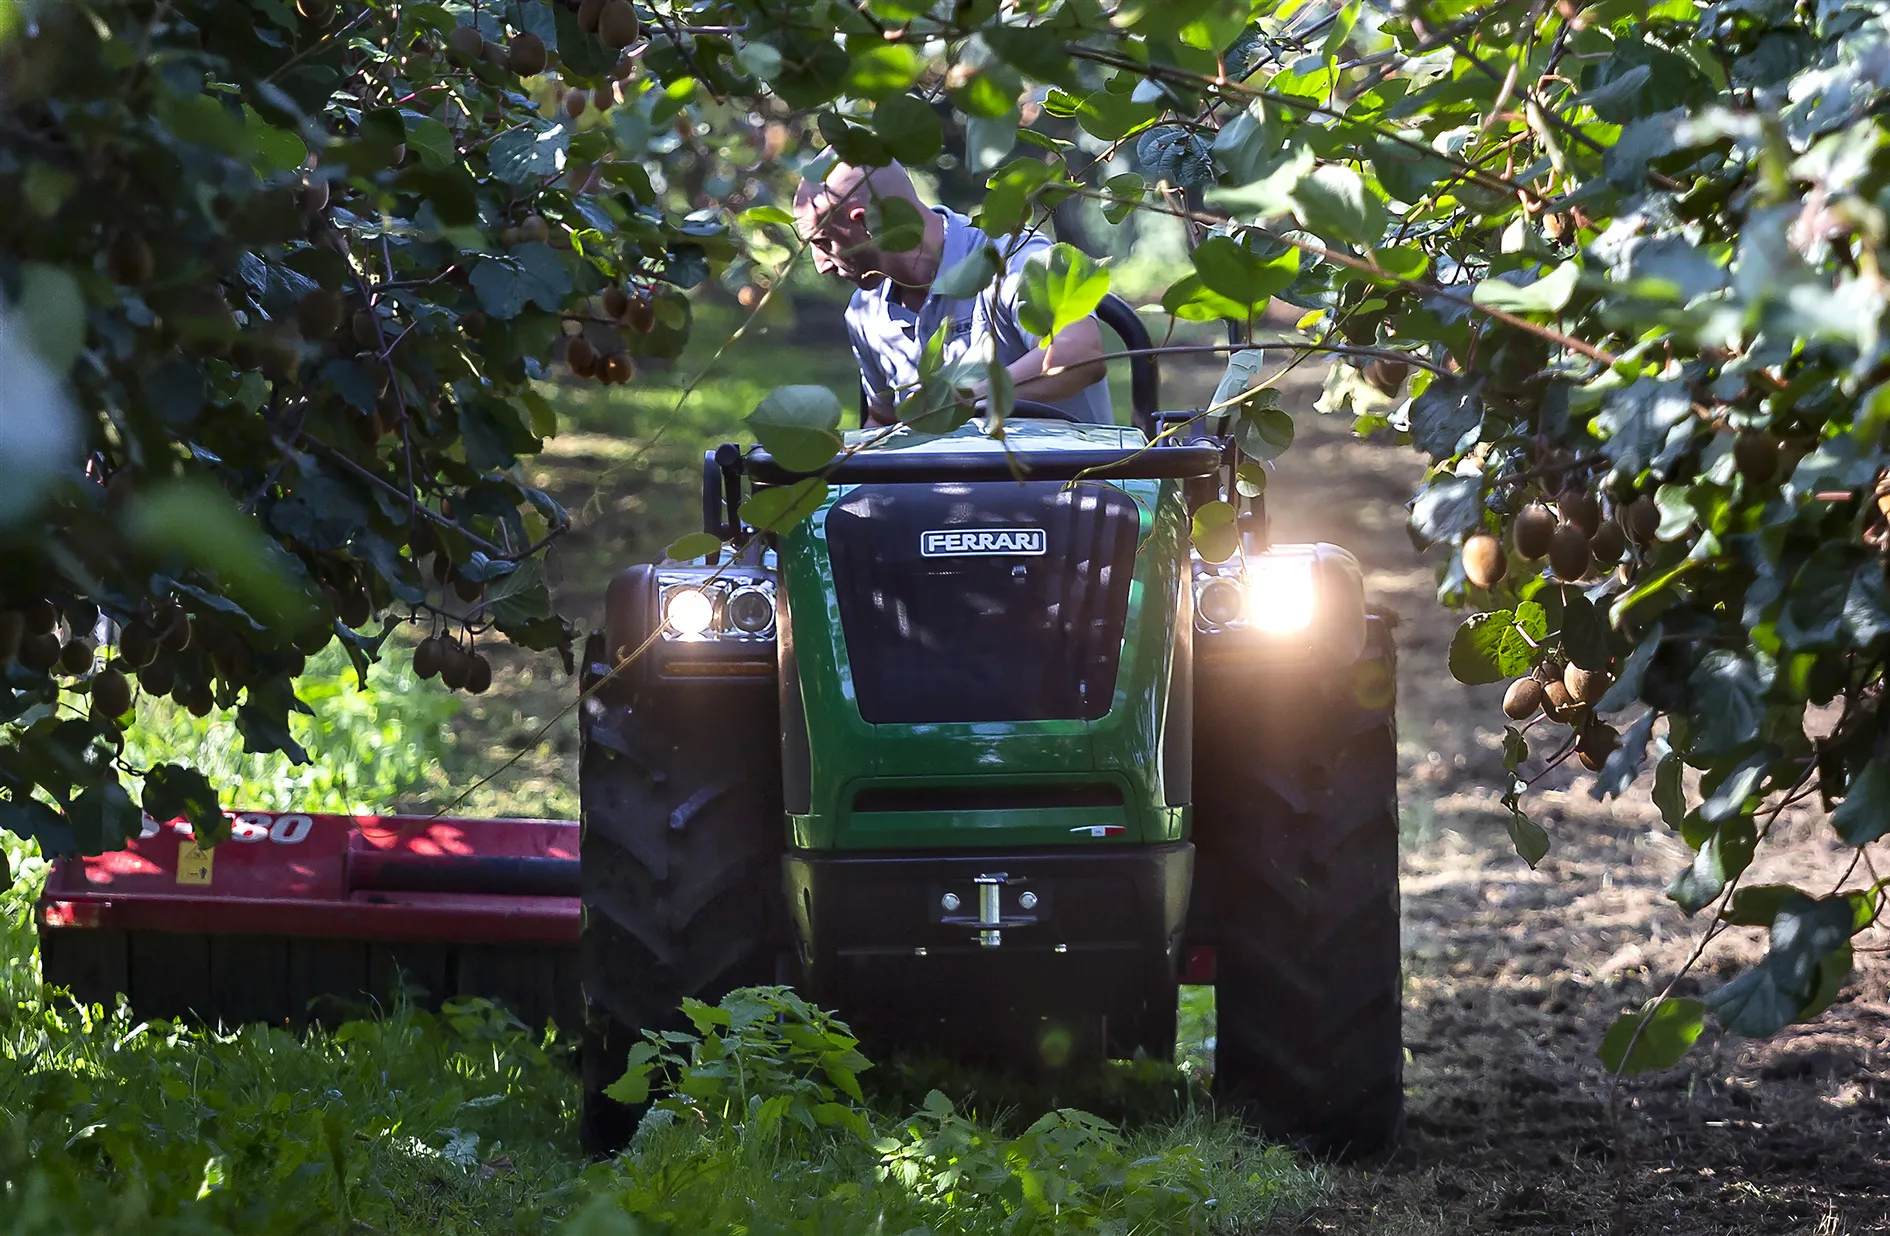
[316,916]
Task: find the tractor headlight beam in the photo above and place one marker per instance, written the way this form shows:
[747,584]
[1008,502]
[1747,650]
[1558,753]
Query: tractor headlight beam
[689,611]
[1281,594]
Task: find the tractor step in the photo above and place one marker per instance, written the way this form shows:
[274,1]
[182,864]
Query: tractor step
[300,916]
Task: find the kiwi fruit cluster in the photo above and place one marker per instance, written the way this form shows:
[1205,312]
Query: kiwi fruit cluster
[1577,537]
[458,667]
[1566,693]
[593,349]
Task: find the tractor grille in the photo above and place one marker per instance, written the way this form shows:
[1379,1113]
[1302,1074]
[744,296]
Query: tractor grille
[968,628]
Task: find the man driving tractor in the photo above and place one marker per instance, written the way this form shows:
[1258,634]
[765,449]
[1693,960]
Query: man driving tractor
[894,310]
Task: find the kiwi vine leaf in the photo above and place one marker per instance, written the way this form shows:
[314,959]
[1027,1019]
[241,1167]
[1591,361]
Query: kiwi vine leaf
[283,283]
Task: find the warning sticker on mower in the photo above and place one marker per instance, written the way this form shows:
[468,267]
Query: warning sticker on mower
[194,863]
[981,542]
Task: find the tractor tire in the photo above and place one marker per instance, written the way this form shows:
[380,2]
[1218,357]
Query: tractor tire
[1309,1000]
[681,847]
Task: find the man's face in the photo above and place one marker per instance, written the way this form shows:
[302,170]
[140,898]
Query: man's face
[837,234]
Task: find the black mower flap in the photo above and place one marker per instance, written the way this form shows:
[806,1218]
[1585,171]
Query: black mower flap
[1163,462]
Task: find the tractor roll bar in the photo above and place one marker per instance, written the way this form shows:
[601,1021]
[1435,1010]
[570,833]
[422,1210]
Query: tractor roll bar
[1139,463]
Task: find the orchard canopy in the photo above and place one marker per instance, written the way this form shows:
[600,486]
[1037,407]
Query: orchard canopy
[286,286]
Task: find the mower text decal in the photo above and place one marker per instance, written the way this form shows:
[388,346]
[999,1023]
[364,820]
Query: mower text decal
[964,543]
[1099,830]
[251,826]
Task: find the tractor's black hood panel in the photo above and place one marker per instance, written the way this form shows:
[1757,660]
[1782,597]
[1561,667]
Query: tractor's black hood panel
[992,601]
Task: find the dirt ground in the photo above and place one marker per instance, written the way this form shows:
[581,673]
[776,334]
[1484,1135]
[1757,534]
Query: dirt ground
[1512,975]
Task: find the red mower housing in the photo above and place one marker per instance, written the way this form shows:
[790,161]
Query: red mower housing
[301,916]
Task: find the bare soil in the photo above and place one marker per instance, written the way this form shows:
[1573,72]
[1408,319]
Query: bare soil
[1512,975]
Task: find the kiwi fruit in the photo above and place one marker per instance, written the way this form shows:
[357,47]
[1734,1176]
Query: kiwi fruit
[534,227]
[1755,453]
[232,661]
[493,54]
[426,656]
[1595,745]
[455,666]
[473,323]
[316,12]
[1569,556]
[617,25]
[1642,519]
[575,102]
[603,98]
[1557,702]
[39,651]
[466,44]
[580,356]
[173,627]
[129,259]
[356,607]
[1386,376]
[617,368]
[311,194]
[12,630]
[1579,507]
[78,655]
[640,316]
[1483,560]
[368,428]
[1535,524]
[616,302]
[111,694]
[588,15]
[318,314]
[41,616]
[200,699]
[364,328]
[626,69]
[159,677]
[526,56]
[468,590]
[1522,699]
[138,645]
[1586,686]
[479,675]
[1608,543]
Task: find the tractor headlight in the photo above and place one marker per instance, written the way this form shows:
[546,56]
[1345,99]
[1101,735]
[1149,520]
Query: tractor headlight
[1281,596]
[750,609]
[1291,600]
[1220,601]
[689,611]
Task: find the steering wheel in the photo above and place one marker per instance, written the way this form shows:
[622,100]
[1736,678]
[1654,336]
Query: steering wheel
[1043,411]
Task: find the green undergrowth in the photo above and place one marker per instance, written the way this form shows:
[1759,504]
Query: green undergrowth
[767,1120]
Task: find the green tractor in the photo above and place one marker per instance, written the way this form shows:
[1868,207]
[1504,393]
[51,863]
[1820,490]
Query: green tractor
[985,757]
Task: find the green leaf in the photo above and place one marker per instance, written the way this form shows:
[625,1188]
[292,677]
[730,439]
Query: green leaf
[693,545]
[53,311]
[1477,652]
[1126,193]
[755,216]
[778,508]
[173,792]
[633,1088]
[103,817]
[799,426]
[1808,937]
[1864,815]
[1585,634]
[1727,700]
[1232,269]
[1670,789]
[1060,291]
[530,274]
[1250,479]
[1193,301]
[432,142]
[1725,854]
[1549,294]
[1448,417]
[529,151]
[1759,904]
[1335,202]
[895,224]
[1214,532]
[909,128]
[969,275]
[1656,1037]
[988,140]
[1446,508]
[1529,838]
[1263,432]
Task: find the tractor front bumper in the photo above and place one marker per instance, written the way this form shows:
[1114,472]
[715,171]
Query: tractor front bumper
[971,951]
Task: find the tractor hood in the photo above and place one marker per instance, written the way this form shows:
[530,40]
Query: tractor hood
[983,662]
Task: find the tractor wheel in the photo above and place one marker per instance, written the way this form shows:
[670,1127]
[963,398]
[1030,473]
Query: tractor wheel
[1309,997]
[681,848]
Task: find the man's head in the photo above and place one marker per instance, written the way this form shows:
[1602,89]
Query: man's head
[832,215]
